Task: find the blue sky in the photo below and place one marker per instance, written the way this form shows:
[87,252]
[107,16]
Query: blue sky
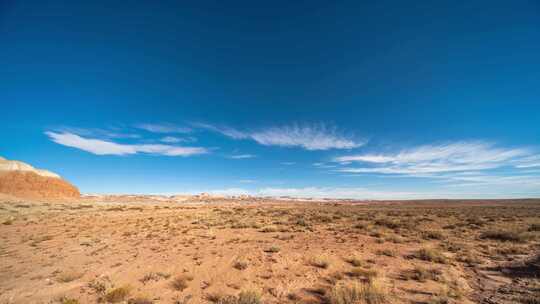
[326,99]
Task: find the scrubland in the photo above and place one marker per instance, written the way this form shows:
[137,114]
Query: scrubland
[269,251]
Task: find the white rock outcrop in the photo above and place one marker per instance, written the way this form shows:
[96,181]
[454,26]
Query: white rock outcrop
[14,165]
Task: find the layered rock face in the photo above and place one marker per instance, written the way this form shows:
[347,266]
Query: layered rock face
[22,180]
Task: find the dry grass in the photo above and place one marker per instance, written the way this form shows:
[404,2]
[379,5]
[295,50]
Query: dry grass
[118,294]
[319,261]
[504,236]
[244,297]
[240,264]
[431,255]
[327,254]
[65,300]
[140,300]
[180,282]
[354,261]
[372,292]
[423,274]
[69,276]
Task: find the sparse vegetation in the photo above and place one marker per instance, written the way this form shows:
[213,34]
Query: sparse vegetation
[240,264]
[504,236]
[244,297]
[118,294]
[319,261]
[431,255]
[423,274]
[68,276]
[330,253]
[353,293]
[66,300]
[180,282]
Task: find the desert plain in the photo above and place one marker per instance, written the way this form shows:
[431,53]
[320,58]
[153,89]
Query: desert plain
[148,249]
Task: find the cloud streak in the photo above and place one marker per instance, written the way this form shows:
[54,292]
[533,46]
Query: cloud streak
[242,156]
[428,159]
[104,147]
[308,137]
[163,128]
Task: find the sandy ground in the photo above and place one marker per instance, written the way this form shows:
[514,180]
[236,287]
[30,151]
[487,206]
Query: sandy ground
[128,250]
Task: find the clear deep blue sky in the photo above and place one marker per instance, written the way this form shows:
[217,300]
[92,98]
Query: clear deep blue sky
[389,99]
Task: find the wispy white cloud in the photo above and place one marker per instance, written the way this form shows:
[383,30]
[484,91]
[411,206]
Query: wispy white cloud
[227,131]
[528,162]
[242,156]
[173,139]
[449,157]
[288,163]
[98,133]
[309,137]
[163,128]
[323,165]
[104,147]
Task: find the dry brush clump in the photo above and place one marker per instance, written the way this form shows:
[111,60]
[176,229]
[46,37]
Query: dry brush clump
[180,282]
[372,292]
[118,294]
[244,297]
[505,236]
[422,274]
[319,261]
[240,264]
[431,255]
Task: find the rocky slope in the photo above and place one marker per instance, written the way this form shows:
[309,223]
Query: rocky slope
[22,180]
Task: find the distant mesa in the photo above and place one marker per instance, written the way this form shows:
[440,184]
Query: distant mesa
[22,180]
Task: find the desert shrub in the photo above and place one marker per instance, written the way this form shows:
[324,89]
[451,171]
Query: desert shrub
[422,274]
[361,225]
[69,276]
[439,300]
[302,222]
[244,297]
[249,297]
[508,250]
[319,261]
[388,223]
[154,276]
[431,255]
[376,234]
[534,227]
[269,229]
[396,239]
[323,218]
[354,293]
[530,299]
[433,235]
[367,274]
[65,300]
[468,258]
[504,236]
[181,282]
[273,249]
[454,247]
[8,222]
[387,252]
[140,300]
[355,261]
[240,264]
[118,294]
